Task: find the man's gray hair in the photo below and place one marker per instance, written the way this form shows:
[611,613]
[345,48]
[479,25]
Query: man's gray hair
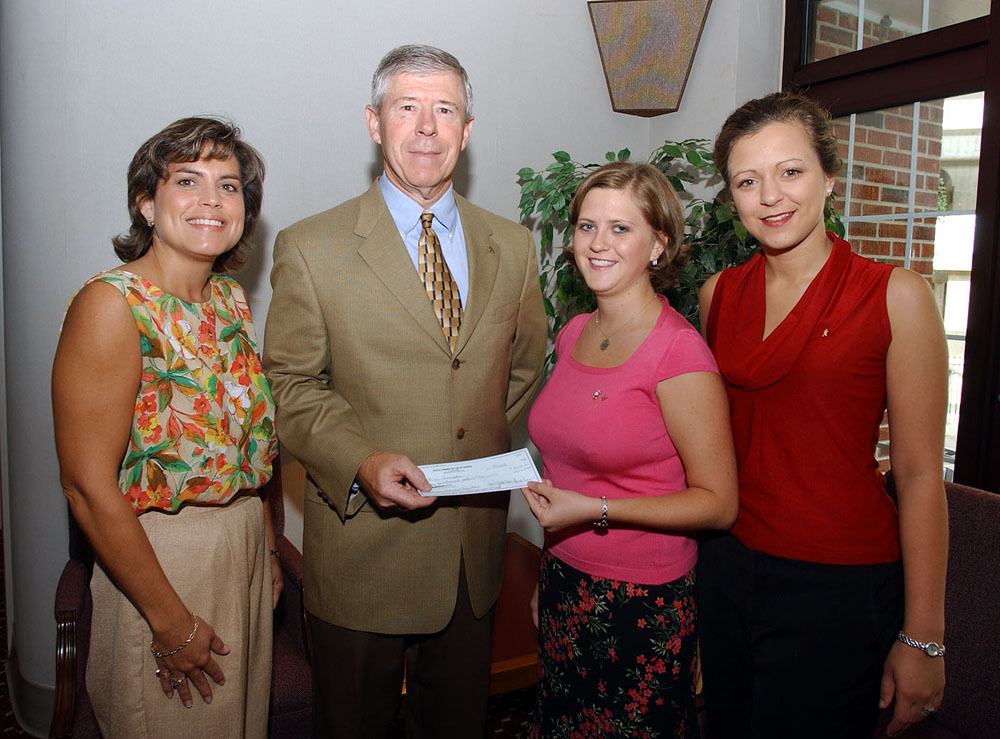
[417,59]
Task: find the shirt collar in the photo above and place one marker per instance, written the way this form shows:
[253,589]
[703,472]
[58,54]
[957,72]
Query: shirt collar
[406,212]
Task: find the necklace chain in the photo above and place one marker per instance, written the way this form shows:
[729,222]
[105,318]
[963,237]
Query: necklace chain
[607,337]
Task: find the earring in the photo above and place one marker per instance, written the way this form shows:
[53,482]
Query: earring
[149,222]
[655,261]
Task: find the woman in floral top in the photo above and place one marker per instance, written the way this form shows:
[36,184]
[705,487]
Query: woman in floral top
[164,430]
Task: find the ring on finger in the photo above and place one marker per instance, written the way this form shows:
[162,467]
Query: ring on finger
[928,710]
[175,683]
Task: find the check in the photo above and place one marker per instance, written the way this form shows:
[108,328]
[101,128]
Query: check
[483,475]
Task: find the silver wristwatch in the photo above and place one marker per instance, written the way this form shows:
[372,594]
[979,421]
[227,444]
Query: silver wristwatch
[930,648]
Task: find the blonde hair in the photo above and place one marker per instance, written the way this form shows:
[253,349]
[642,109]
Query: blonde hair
[656,199]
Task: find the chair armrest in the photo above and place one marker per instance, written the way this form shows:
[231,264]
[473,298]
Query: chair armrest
[72,593]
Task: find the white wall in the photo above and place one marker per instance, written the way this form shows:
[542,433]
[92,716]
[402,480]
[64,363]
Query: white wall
[83,84]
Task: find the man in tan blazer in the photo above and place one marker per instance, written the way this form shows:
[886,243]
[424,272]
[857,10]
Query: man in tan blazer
[368,387]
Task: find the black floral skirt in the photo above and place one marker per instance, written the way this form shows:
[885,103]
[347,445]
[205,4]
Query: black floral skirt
[615,659]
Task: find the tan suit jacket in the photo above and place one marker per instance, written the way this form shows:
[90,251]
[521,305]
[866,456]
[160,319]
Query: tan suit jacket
[358,363]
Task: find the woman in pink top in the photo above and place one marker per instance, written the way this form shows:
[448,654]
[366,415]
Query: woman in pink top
[633,428]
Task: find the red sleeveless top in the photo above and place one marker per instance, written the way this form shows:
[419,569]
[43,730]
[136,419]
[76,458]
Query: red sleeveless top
[806,406]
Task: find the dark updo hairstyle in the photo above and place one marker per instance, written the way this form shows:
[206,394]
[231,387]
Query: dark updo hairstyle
[656,199]
[189,140]
[779,107]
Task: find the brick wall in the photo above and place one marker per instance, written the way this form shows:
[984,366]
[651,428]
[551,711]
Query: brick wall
[836,33]
[880,181]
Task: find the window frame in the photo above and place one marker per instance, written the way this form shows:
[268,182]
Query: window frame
[945,62]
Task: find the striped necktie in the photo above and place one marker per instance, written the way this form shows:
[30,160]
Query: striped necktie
[437,279]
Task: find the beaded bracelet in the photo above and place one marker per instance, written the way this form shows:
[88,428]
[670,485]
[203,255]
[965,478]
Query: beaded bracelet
[602,523]
[175,650]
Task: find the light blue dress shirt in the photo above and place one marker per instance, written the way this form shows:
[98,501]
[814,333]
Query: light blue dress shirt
[447,225]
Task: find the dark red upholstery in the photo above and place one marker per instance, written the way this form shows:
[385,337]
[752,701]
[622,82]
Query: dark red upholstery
[971,706]
[72,714]
[291,697]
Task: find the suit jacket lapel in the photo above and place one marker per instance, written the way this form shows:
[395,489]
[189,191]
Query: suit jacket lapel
[484,260]
[385,254]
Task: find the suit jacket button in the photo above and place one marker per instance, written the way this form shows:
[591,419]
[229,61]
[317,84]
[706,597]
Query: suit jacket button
[455,364]
[460,434]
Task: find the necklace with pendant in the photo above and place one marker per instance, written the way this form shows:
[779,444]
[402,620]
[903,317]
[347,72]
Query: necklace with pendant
[607,337]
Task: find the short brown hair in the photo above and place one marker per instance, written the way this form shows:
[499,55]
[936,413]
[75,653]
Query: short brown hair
[656,199]
[779,107]
[189,140]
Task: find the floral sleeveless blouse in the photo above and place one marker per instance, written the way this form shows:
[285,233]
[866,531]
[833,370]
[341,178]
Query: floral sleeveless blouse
[203,428]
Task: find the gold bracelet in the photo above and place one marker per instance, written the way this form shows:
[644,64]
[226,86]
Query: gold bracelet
[175,650]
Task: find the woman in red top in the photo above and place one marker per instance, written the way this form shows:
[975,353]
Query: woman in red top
[824,602]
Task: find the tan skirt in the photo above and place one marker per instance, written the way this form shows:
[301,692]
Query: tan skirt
[216,558]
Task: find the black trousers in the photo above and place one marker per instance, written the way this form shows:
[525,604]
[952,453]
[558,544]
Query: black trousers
[357,677]
[790,648]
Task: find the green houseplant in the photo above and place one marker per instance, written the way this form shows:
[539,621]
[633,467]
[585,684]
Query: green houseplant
[713,231]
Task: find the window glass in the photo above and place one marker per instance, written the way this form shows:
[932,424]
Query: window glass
[909,198]
[834,23]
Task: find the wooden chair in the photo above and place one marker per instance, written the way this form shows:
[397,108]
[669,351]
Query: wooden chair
[971,706]
[291,693]
[515,638]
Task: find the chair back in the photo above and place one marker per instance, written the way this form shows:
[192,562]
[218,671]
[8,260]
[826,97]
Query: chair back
[274,498]
[971,705]
[290,710]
